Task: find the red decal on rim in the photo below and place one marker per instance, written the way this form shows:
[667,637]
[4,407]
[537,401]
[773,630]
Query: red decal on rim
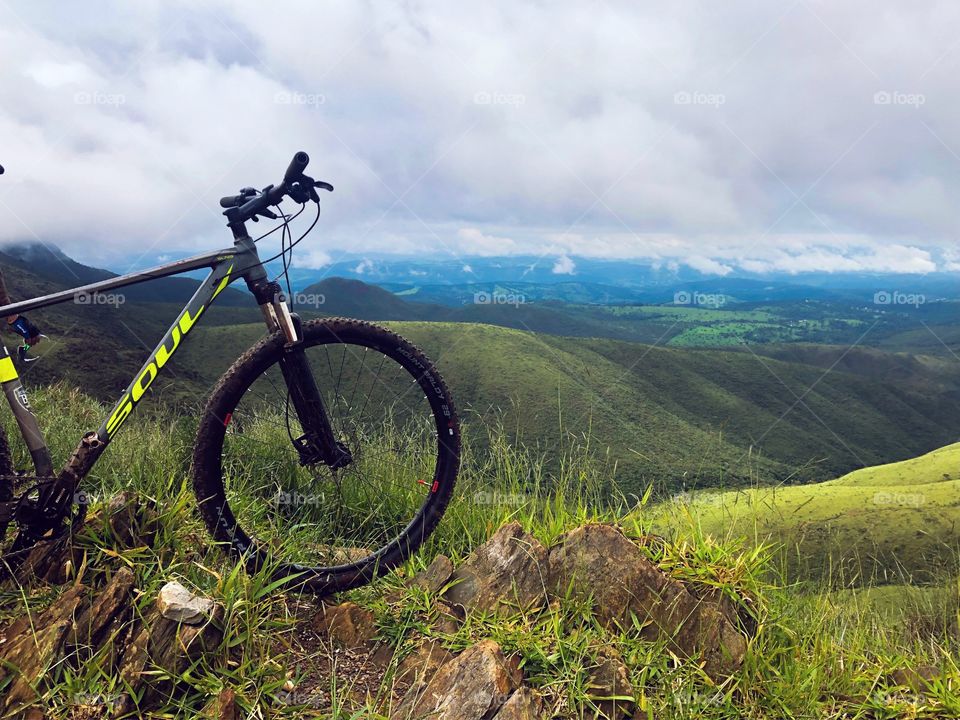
[436,486]
[227,419]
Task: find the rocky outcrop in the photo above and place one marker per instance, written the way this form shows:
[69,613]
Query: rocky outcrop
[98,617]
[596,564]
[600,563]
[505,574]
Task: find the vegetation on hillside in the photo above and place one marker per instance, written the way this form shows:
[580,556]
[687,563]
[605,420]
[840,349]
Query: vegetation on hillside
[894,523]
[816,653]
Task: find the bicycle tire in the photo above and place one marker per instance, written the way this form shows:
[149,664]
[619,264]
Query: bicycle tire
[208,472]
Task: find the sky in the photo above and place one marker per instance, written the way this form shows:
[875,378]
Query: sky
[742,136]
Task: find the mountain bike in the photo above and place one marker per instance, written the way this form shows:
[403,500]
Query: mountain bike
[326,454]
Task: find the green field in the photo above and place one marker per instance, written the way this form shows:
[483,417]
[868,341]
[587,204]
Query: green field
[892,523]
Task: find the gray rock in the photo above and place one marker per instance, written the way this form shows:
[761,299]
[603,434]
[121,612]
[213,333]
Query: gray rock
[472,686]
[599,562]
[434,577]
[178,604]
[506,573]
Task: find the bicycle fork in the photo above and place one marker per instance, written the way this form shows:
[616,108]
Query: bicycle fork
[318,443]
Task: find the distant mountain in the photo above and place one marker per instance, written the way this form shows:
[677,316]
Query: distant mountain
[353,298]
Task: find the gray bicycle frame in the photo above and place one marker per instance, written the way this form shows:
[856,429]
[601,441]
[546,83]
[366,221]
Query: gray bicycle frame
[226,266]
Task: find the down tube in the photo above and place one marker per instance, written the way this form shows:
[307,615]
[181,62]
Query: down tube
[215,284]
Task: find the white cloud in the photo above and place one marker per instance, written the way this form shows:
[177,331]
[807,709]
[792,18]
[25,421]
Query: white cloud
[363,266]
[564,266]
[310,259]
[707,265]
[137,118]
[471,241]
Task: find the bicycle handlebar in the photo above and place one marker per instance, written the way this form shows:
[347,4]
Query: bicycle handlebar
[250,204]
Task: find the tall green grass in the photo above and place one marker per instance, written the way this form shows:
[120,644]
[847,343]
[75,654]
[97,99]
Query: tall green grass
[817,653]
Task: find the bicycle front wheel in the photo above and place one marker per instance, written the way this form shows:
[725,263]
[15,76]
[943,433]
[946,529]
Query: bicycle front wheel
[327,529]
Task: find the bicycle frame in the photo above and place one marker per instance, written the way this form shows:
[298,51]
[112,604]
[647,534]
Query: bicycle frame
[226,266]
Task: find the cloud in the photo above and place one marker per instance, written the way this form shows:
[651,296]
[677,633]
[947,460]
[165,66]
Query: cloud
[310,259]
[695,137]
[365,265]
[471,241]
[708,266]
[564,266]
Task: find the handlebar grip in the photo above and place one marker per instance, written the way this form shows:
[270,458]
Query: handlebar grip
[296,167]
[231,201]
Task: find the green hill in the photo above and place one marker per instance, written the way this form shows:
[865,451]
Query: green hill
[674,418]
[891,523]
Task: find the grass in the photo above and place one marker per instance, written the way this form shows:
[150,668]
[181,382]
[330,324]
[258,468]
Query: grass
[817,653]
[891,523]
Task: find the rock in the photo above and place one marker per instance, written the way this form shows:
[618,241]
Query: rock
[178,604]
[167,644]
[472,686]
[609,687]
[435,576]
[348,625]
[132,523]
[524,704]
[227,704]
[507,573]
[25,659]
[599,562]
[103,610]
[917,679]
[422,662]
[449,618]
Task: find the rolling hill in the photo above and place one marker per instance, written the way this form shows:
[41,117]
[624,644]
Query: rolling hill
[893,523]
[669,417]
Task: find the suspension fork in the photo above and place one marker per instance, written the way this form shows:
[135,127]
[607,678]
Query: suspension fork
[318,443]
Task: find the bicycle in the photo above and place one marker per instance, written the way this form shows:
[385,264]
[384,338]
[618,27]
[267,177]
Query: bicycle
[307,461]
